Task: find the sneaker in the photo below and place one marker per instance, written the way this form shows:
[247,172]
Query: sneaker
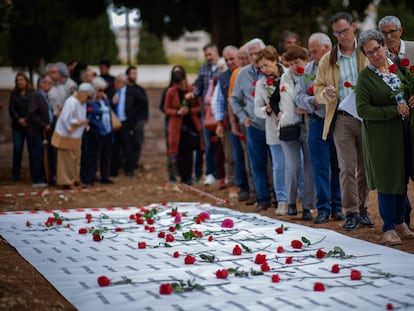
[209,180]
[391,238]
[404,232]
[282,209]
[40,185]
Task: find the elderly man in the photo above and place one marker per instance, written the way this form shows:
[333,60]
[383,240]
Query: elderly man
[342,64]
[67,137]
[391,28]
[323,153]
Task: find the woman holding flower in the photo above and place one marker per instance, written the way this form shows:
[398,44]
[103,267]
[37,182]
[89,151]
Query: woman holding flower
[296,151]
[385,135]
[266,106]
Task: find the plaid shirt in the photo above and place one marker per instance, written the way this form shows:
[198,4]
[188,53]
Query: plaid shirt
[205,74]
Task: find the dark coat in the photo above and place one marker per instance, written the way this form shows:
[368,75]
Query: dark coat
[38,115]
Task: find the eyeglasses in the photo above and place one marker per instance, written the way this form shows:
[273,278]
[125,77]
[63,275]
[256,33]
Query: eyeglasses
[342,33]
[376,50]
[389,32]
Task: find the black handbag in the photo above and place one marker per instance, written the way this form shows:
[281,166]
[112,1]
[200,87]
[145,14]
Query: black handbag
[290,132]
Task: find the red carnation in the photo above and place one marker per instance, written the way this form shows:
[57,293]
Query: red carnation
[411,68]
[265,267]
[169,238]
[176,254]
[260,259]
[222,274]
[335,268]
[405,62]
[150,221]
[161,234]
[97,237]
[283,89]
[59,221]
[166,289]
[269,82]
[390,306]
[300,70]
[83,231]
[171,229]
[280,249]
[279,230]
[189,260]
[254,83]
[119,229]
[319,287]
[311,90]
[347,84]
[139,221]
[237,251]
[393,68]
[355,275]
[320,254]
[289,260]
[104,281]
[242,137]
[210,238]
[275,278]
[142,245]
[151,229]
[253,93]
[296,244]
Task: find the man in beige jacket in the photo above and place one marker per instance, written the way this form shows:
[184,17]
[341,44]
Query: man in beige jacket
[338,68]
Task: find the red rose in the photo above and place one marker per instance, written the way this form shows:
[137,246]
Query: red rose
[280,249]
[210,238]
[142,245]
[320,253]
[176,254]
[335,268]
[347,84]
[173,213]
[59,221]
[237,251]
[260,259]
[161,234]
[311,90]
[319,287]
[222,274]
[393,68]
[275,278]
[138,215]
[300,70]
[254,83]
[132,217]
[171,229]
[265,267]
[88,216]
[189,260]
[151,229]
[269,82]
[146,227]
[119,229]
[289,260]
[150,221]
[83,231]
[97,237]
[296,244]
[169,238]
[390,306]
[253,93]
[283,89]
[104,281]
[166,289]
[242,137]
[405,62]
[355,275]
[279,230]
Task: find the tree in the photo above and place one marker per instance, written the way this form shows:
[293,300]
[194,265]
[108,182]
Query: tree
[151,49]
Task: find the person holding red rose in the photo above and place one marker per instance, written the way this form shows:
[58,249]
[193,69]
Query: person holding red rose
[323,155]
[385,136]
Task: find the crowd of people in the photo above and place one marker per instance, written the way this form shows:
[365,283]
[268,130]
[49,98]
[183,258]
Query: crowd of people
[321,125]
[80,127]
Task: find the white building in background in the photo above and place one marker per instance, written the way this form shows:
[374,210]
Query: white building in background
[190,45]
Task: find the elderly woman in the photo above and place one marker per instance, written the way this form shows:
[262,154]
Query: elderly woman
[385,133]
[67,137]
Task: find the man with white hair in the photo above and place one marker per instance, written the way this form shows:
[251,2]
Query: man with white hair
[242,102]
[69,85]
[57,94]
[67,137]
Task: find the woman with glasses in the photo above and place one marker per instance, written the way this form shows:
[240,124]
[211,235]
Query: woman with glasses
[385,136]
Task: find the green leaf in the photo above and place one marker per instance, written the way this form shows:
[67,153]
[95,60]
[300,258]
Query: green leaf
[256,272]
[209,258]
[246,248]
[306,241]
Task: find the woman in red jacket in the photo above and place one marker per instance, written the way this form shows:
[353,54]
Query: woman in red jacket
[184,127]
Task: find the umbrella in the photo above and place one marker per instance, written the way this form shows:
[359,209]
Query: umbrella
[46,166]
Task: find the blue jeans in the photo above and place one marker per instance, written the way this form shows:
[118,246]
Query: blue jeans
[392,208]
[19,136]
[239,163]
[324,166]
[210,152]
[258,153]
[37,170]
[278,170]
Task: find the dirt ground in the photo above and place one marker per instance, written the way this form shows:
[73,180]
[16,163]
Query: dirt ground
[23,288]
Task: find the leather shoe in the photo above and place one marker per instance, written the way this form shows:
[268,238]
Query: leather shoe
[243,195]
[364,218]
[337,214]
[307,215]
[292,210]
[323,216]
[261,207]
[250,201]
[351,222]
